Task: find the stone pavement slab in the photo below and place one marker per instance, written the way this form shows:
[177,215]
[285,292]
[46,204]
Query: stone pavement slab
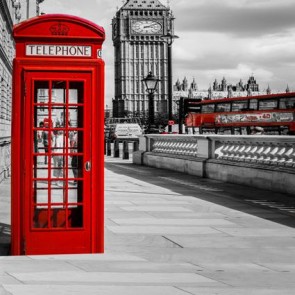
[166,234]
[90,290]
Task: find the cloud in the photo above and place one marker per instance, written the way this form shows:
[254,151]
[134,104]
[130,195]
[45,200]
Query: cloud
[239,18]
[207,56]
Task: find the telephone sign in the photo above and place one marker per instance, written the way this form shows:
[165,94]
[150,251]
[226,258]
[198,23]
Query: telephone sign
[58,50]
[58,137]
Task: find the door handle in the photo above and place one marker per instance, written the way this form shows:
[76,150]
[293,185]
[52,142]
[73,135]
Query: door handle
[88,166]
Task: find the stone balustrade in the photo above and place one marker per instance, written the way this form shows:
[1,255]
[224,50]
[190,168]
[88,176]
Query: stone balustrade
[266,150]
[175,146]
[266,162]
[275,151]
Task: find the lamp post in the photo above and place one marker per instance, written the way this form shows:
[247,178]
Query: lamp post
[180,114]
[151,83]
[169,38]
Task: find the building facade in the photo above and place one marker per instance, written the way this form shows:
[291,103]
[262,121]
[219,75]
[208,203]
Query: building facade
[137,29]
[10,14]
[29,8]
[218,90]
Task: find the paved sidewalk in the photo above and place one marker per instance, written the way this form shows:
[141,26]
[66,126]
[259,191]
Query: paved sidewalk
[167,234]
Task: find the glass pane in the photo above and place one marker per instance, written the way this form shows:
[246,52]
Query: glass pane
[41,192]
[58,167]
[72,193]
[73,142]
[58,218]
[239,105]
[208,108]
[40,167]
[223,107]
[58,92]
[287,103]
[41,92]
[59,117]
[41,139]
[268,104]
[59,142]
[73,117]
[75,168]
[40,218]
[58,194]
[76,94]
[253,104]
[41,116]
[76,216]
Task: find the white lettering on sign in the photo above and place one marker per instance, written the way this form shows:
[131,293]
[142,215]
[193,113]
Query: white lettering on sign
[58,50]
[254,117]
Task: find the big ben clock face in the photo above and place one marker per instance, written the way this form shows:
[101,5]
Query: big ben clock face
[146,27]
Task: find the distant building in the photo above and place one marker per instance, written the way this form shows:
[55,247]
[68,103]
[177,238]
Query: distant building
[29,8]
[218,90]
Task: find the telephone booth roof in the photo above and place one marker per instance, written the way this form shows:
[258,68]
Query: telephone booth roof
[63,27]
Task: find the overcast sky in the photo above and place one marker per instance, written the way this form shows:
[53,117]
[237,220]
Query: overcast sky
[217,38]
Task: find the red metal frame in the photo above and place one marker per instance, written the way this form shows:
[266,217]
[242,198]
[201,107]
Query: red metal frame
[262,118]
[69,218]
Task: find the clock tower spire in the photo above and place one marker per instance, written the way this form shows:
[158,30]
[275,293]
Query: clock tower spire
[137,29]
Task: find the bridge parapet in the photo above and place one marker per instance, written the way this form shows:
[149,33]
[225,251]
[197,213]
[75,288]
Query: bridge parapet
[261,150]
[176,146]
[267,150]
[263,161]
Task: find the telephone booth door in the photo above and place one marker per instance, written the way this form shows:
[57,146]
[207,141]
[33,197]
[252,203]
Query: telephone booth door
[57,131]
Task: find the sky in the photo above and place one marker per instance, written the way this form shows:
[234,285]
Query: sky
[217,38]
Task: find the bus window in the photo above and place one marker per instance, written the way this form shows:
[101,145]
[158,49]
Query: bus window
[222,107]
[287,103]
[239,105]
[268,104]
[208,108]
[253,104]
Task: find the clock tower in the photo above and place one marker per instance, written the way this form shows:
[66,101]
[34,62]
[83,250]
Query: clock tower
[137,29]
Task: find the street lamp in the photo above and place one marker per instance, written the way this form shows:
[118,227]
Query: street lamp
[151,83]
[169,38]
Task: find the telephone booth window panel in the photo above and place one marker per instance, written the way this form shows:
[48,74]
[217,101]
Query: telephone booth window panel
[58,180]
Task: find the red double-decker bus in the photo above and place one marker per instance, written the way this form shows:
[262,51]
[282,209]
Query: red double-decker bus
[267,114]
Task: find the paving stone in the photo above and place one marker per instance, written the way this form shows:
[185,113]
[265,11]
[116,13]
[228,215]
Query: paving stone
[91,290]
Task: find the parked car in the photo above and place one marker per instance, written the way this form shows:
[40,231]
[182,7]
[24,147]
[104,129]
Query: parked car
[123,131]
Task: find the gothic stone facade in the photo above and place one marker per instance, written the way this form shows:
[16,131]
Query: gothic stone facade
[139,49]
[9,14]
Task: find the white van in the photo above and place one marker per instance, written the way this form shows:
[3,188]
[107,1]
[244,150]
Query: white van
[125,131]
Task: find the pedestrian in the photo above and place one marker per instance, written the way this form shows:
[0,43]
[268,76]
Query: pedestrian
[44,139]
[57,146]
[74,160]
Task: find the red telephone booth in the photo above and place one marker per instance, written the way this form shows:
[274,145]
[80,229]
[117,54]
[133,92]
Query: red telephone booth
[58,137]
